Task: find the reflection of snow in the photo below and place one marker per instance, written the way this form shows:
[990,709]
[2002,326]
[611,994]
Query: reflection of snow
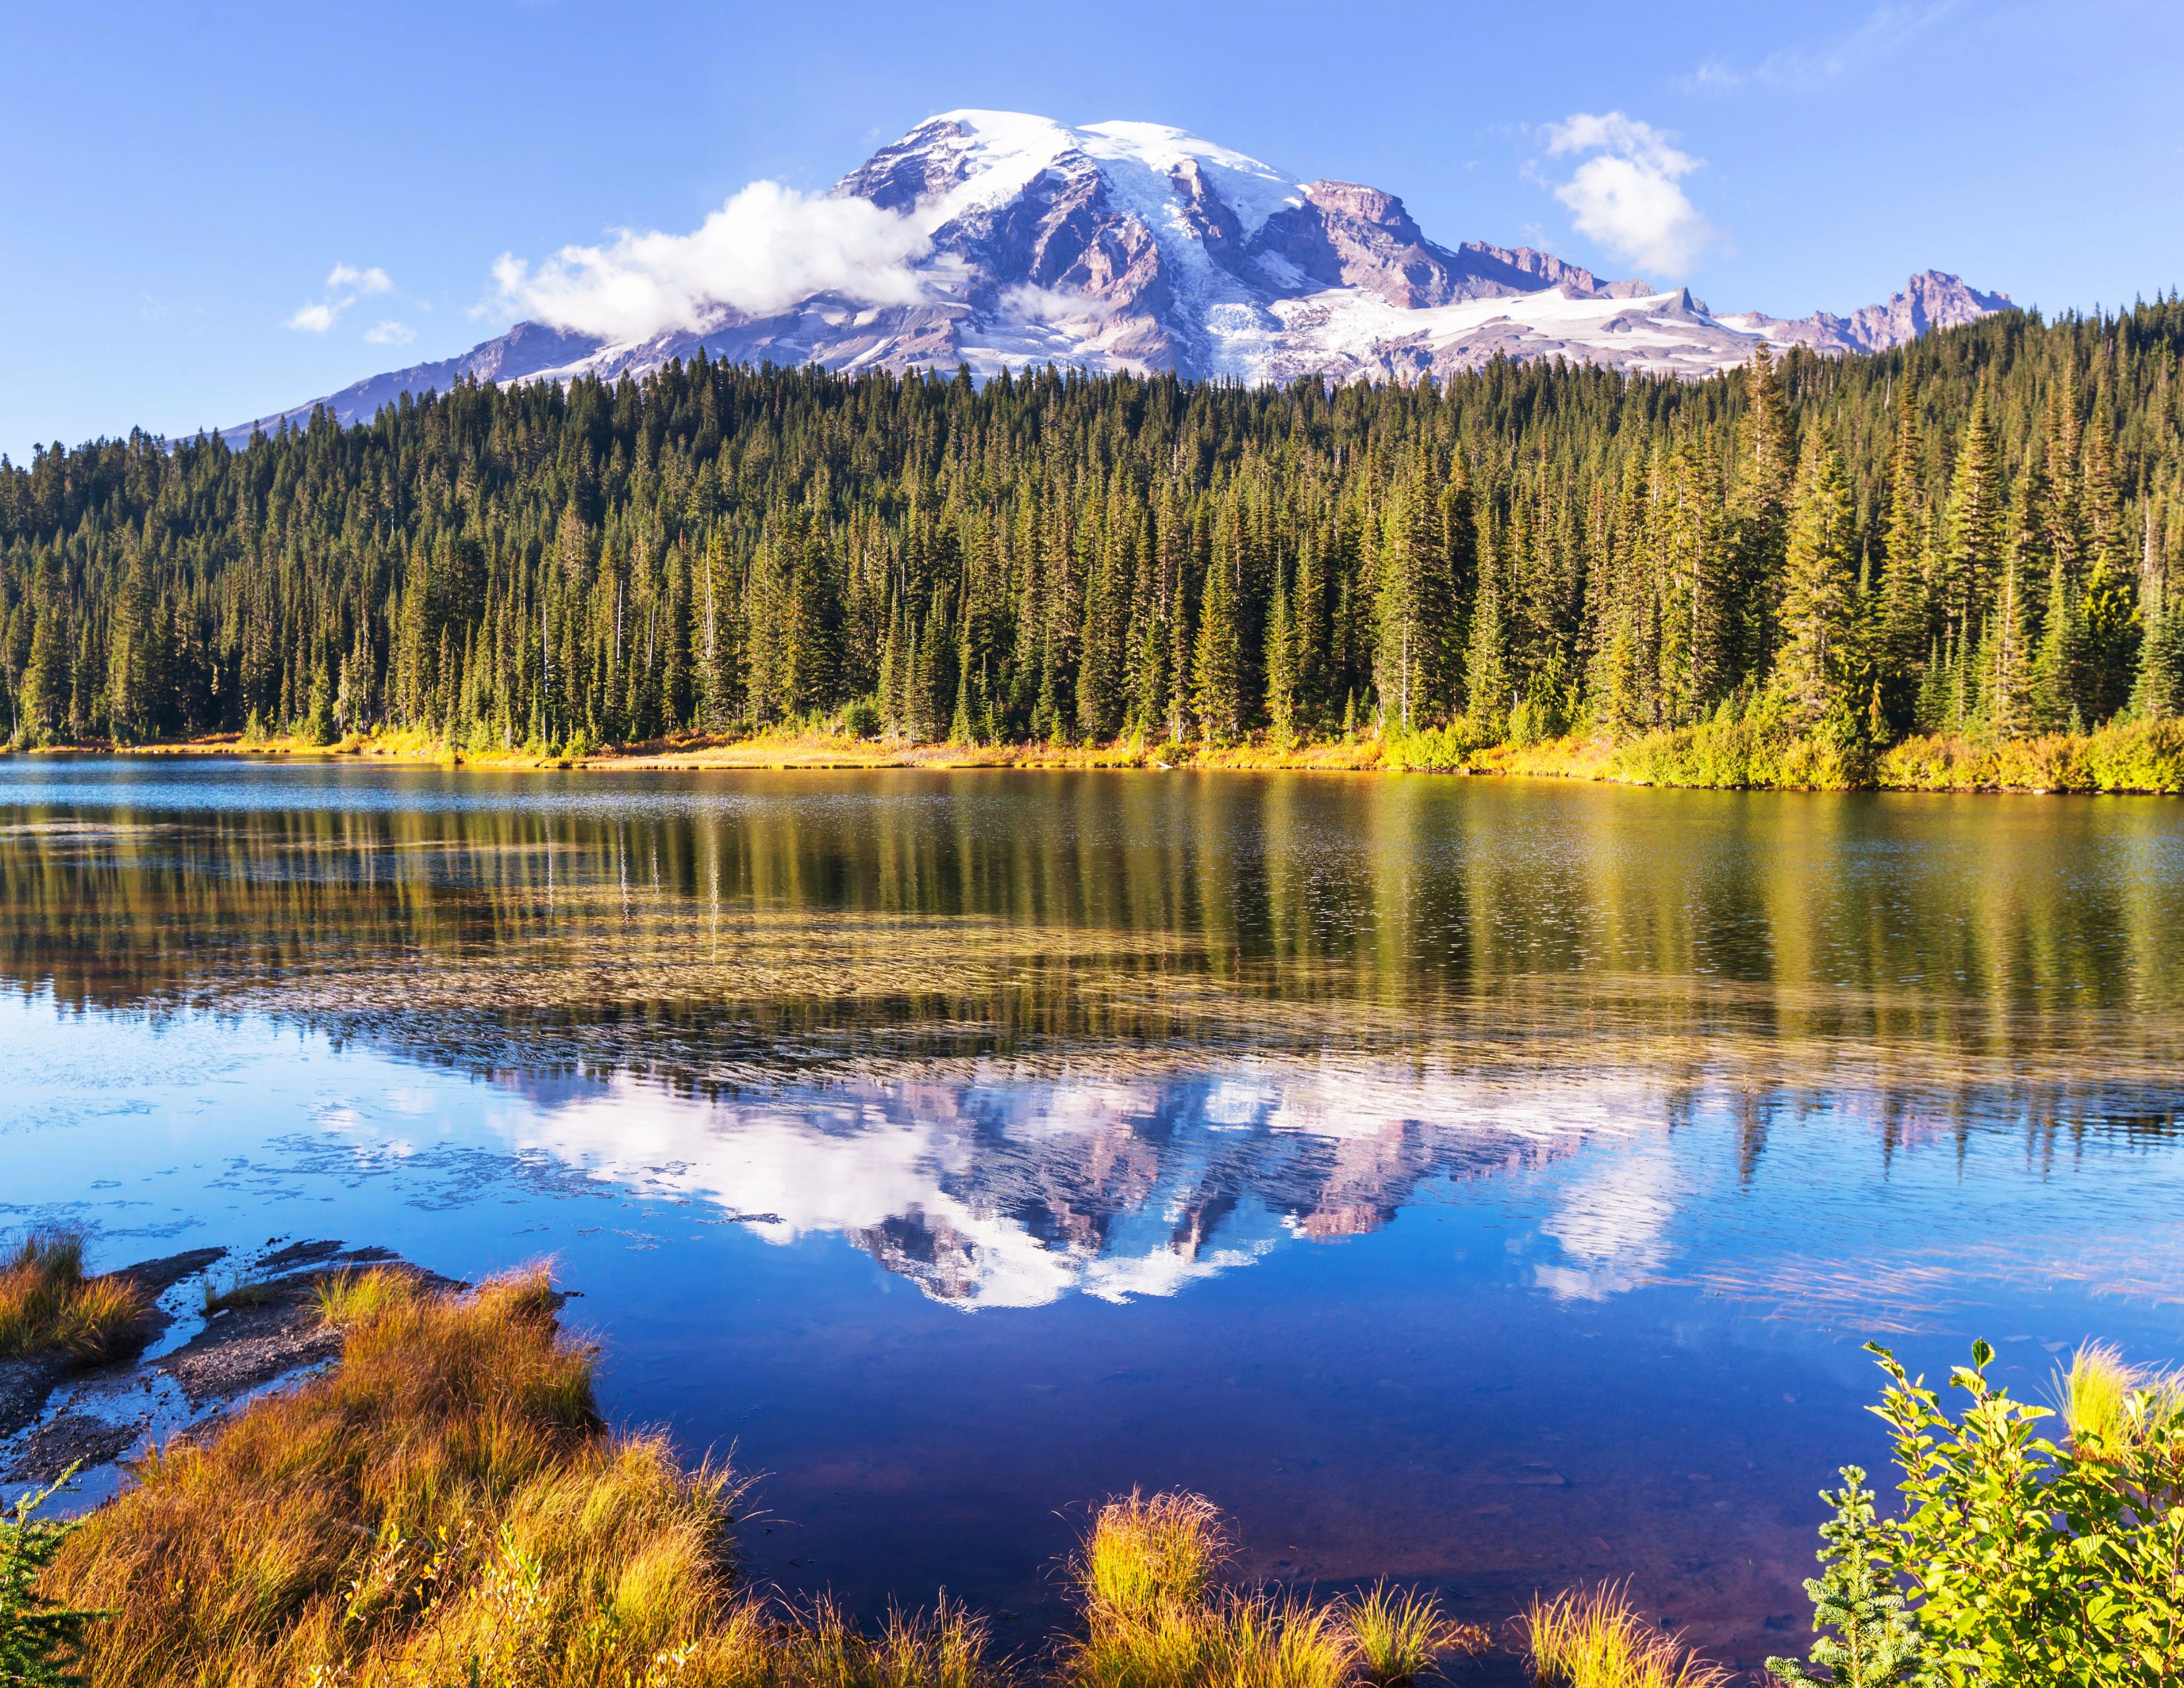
[1014,1193]
[1612,1221]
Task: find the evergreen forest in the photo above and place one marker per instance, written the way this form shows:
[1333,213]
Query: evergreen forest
[1980,534]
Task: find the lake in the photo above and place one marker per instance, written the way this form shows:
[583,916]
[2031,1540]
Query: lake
[1483,1183]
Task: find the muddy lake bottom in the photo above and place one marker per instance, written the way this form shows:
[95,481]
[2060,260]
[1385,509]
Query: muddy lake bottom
[1465,1183]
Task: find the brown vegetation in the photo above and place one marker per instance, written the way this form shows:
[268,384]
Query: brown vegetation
[47,1304]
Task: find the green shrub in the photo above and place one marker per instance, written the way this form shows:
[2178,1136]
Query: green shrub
[2017,1559]
[1434,750]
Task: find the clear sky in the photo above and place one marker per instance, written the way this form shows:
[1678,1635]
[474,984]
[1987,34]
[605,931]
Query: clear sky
[212,211]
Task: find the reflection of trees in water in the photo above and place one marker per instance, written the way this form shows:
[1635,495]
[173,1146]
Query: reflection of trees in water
[734,932]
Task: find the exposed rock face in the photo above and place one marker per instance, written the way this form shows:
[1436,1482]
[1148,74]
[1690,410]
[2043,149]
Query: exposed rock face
[1929,300]
[1133,246]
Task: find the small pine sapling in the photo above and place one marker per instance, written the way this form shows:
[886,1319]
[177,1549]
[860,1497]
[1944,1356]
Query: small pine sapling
[40,1642]
[1875,1641]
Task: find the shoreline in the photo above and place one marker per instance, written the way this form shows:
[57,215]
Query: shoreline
[2144,759]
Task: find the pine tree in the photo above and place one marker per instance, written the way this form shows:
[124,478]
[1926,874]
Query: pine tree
[2108,614]
[1867,1636]
[2007,661]
[1281,668]
[1816,666]
[2053,691]
[1414,616]
[1972,528]
[1216,680]
[1486,665]
[1905,628]
[2157,689]
[1760,530]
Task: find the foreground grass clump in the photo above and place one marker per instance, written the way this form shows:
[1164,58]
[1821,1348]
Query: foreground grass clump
[1596,1639]
[444,1506]
[47,1304]
[1156,1616]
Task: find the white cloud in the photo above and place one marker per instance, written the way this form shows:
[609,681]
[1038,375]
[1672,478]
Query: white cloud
[765,248]
[345,285]
[1625,192]
[390,333]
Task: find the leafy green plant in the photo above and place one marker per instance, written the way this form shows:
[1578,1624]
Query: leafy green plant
[40,1640]
[2020,1559]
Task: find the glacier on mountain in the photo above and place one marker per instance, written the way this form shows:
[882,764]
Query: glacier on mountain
[1138,247]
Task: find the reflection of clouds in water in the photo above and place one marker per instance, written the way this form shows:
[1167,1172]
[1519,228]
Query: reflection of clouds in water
[1015,1193]
[1613,1221]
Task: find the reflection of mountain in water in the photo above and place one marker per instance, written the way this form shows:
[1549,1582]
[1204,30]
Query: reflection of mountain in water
[1013,1192]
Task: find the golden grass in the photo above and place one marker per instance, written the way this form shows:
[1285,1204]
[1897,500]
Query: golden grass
[47,1304]
[443,1507]
[818,1647]
[1594,1638]
[2106,1401]
[1401,1635]
[1155,1616]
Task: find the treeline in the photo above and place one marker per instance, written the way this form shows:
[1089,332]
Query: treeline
[1977,534]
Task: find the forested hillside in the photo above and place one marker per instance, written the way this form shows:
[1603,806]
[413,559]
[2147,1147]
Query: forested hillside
[1976,534]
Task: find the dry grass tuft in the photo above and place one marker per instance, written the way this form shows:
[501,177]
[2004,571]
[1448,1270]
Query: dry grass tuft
[818,1647]
[2110,1404]
[1142,1555]
[1594,1638]
[47,1304]
[1401,1635]
[443,1507]
[1156,1617]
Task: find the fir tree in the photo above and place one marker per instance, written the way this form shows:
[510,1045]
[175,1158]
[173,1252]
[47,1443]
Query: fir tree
[1816,668]
[1485,666]
[1868,1638]
[1216,694]
[1972,527]
[2052,692]
[1281,668]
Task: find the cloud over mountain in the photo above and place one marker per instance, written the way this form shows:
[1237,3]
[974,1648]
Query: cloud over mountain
[1001,241]
[1626,193]
[765,249]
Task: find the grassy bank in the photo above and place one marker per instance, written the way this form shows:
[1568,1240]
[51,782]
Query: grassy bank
[446,1507]
[1760,750]
[1763,751]
[47,1305]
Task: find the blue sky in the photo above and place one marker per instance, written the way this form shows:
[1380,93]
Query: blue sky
[212,211]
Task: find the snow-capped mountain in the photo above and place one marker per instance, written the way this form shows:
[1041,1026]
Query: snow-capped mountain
[1133,246]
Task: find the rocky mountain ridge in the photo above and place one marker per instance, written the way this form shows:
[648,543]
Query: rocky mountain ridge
[1133,246]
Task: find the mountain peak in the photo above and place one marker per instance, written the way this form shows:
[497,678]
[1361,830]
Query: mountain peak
[1129,245]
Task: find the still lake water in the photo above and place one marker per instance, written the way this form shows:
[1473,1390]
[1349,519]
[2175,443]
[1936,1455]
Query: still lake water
[1483,1183]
